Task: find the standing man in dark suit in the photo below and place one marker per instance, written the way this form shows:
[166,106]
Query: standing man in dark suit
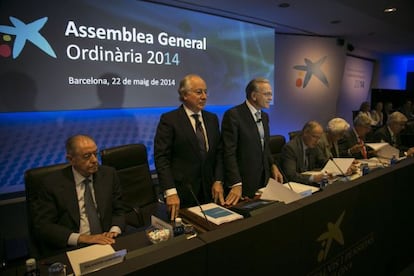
[247,158]
[302,154]
[187,150]
[80,204]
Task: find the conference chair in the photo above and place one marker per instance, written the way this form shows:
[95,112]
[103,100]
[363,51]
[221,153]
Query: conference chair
[33,183]
[293,134]
[131,164]
[276,143]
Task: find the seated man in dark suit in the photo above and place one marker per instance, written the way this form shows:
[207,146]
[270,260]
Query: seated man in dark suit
[390,133]
[80,204]
[302,154]
[352,144]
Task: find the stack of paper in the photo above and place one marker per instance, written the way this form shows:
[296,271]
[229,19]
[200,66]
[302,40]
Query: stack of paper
[384,150]
[215,213]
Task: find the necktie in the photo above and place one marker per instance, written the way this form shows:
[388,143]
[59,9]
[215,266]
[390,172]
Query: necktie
[260,127]
[363,149]
[90,209]
[200,135]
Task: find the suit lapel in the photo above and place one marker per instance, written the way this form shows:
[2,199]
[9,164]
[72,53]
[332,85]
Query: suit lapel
[188,131]
[248,118]
[69,190]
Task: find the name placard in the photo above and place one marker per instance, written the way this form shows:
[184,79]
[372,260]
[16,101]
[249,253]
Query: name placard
[102,262]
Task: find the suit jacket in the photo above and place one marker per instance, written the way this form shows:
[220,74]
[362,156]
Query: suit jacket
[178,160]
[244,159]
[349,140]
[383,134]
[293,160]
[58,212]
[328,149]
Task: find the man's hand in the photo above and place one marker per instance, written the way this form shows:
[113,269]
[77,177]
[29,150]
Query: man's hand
[217,192]
[276,174]
[234,195]
[110,234]
[173,205]
[96,239]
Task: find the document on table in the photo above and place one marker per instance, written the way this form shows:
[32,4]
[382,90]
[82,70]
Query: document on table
[384,150]
[336,166]
[277,191]
[215,213]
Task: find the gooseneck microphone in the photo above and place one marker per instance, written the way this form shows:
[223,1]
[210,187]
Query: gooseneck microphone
[337,166]
[198,203]
[286,179]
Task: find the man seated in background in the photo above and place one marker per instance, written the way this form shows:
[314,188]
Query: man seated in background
[302,154]
[80,204]
[390,133]
[353,142]
[334,131]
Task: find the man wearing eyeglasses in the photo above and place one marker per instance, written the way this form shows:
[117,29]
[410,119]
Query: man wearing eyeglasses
[80,204]
[391,133]
[248,161]
[187,150]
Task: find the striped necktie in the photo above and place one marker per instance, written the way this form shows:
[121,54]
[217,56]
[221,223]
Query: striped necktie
[90,209]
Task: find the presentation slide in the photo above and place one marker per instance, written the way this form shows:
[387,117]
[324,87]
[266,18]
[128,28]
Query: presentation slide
[91,54]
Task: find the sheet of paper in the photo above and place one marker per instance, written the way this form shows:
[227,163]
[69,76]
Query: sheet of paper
[276,191]
[87,254]
[299,187]
[384,150]
[338,166]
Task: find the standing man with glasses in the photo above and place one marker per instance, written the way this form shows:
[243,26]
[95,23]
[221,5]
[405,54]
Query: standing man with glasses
[247,158]
[187,150]
[80,204]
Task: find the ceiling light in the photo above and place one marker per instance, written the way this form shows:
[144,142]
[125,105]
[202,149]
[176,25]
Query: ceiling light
[390,9]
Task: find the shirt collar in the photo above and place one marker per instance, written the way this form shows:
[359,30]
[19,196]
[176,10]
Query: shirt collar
[252,109]
[78,177]
[189,112]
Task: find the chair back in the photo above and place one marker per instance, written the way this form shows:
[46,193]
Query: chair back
[294,133]
[276,143]
[131,164]
[33,182]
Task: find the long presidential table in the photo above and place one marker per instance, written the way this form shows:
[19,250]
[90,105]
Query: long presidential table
[359,227]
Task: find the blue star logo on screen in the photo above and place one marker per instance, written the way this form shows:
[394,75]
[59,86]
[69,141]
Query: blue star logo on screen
[311,69]
[25,32]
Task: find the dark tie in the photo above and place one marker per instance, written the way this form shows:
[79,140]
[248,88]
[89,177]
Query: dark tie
[200,134]
[306,161]
[260,127]
[90,209]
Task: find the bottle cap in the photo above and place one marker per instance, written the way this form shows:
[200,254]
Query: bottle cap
[178,220]
[30,264]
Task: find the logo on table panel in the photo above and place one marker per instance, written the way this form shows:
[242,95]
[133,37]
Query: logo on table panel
[310,69]
[21,33]
[334,234]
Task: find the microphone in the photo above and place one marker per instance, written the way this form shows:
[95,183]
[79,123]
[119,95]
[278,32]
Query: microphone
[339,168]
[198,203]
[259,120]
[285,178]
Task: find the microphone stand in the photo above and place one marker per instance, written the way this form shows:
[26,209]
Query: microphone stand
[198,204]
[339,168]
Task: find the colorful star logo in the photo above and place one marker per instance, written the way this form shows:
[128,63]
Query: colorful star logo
[311,69]
[24,32]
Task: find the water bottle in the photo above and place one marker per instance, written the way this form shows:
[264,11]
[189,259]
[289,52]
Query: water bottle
[393,160]
[178,227]
[365,169]
[324,181]
[31,268]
